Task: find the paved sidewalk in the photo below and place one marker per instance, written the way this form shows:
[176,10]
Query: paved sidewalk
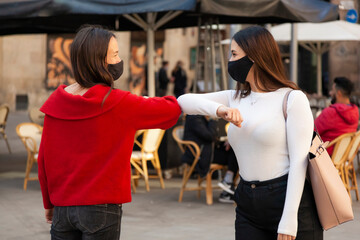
[151,215]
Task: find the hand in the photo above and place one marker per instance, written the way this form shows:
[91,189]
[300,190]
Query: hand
[230,114]
[227,145]
[285,237]
[49,215]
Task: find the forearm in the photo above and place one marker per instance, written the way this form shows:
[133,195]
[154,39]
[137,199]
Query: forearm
[299,129]
[156,112]
[203,104]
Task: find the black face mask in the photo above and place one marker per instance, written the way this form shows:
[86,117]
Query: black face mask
[240,68]
[333,100]
[116,70]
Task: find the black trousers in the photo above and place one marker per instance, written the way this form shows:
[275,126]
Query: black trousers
[260,206]
[223,157]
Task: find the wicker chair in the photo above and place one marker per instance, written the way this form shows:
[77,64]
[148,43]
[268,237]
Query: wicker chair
[4,112]
[178,133]
[149,152]
[30,135]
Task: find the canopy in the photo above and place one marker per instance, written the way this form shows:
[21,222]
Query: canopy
[316,37]
[318,32]
[270,11]
[66,16]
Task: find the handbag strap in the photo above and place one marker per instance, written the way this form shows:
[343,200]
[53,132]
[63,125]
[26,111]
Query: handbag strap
[285,103]
[285,110]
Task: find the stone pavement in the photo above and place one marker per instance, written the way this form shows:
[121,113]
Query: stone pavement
[151,215]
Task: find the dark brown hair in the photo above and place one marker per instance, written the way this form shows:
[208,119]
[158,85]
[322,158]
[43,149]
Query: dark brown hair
[344,85]
[177,66]
[88,54]
[260,46]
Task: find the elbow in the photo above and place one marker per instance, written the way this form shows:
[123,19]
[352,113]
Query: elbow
[174,108]
[180,100]
[183,101]
[173,112]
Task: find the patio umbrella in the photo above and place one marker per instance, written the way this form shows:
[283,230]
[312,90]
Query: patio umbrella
[317,37]
[64,16]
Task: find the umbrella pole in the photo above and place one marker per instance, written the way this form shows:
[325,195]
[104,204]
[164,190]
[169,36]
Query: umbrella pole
[294,53]
[196,78]
[222,58]
[212,54]
[206,59]
[150,51]
[319,69]
[150,27]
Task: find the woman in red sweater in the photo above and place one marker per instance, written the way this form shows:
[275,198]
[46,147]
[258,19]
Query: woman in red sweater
[88,135]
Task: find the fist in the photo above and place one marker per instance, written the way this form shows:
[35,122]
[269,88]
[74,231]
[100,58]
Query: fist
[230,114]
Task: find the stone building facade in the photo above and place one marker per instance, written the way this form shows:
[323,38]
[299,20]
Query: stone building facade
[23,64]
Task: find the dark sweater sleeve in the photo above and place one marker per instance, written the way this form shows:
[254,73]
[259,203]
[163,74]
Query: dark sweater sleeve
[148,113]
[203,129]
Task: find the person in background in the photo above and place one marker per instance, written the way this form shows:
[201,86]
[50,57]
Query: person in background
[163,78]
[274,201]
[341,116]
[179,78]
[202,131]
[224,154]
[88,135]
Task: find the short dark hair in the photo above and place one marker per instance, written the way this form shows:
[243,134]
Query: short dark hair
[88,56]
[164,63]
[344,85]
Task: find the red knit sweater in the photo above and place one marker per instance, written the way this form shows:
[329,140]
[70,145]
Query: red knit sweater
[336,120]
[85,150]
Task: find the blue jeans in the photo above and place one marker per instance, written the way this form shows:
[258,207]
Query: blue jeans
[87,222]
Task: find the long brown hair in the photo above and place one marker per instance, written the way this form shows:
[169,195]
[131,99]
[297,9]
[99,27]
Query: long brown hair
[260,46]
[88,54]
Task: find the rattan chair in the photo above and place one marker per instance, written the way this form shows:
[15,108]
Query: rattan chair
[340,154]
[4,113]
[178,133]
[30,135]
[149,152]
[349,170]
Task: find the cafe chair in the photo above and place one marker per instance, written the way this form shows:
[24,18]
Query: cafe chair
[340,154]
[149,152]
[134,178]
[4,113]
[178,133]
[349,170]
[30,135]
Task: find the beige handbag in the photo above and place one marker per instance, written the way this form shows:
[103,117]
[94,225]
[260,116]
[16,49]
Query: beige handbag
[332,200]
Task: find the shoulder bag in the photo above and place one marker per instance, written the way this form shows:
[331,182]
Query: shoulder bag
[332,200]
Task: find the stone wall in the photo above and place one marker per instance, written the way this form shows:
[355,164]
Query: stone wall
[344,61]
[23,67]
[344,57]
[23,59]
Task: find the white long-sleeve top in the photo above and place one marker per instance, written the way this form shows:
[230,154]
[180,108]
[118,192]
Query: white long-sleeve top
[265,146]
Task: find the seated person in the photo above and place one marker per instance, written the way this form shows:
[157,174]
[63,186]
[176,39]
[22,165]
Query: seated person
[202,131]
[223,154]
[340,117]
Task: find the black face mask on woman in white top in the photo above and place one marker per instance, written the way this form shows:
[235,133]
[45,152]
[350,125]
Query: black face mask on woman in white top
[240,68]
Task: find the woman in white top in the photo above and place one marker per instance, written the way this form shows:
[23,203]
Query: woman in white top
[273,199]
